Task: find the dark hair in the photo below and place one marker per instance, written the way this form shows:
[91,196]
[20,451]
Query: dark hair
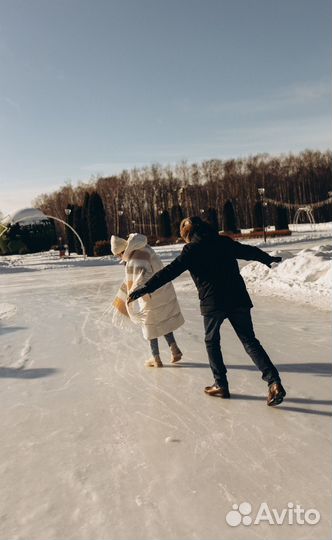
[194,225]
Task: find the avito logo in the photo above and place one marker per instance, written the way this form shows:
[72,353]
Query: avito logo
[293,514]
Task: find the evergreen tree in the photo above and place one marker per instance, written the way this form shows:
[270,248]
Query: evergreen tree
[96,219]
[282,218]
[31,238]
[77,225]
[176,218]
[258,215]
[212,218]
[164,225]
[230,220]
[85,225]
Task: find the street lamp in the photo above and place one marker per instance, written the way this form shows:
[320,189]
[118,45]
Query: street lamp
[120,221]
[68,212]
[202,211]
[261,192]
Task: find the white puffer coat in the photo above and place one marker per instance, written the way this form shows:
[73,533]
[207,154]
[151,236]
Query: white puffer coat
[157,313]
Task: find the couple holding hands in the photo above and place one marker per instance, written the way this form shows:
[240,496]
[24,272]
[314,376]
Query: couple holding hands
[147,297]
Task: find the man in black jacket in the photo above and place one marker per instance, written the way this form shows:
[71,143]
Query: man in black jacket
[212,262]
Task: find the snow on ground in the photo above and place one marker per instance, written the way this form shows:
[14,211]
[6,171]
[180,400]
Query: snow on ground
[95,445]
[305,276]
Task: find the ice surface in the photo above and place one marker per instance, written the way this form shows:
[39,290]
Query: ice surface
[96,446]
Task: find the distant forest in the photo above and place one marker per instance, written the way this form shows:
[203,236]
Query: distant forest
[153,199]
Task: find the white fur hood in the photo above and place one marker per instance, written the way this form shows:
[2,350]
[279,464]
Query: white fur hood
[135,241]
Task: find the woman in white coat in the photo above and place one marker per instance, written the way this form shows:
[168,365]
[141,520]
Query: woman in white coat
[158,313]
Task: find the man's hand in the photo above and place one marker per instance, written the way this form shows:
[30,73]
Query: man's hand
[274,260]
[137,294]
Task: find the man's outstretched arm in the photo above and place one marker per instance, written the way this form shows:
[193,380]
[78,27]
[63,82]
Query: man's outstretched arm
[251,253]
[170,272]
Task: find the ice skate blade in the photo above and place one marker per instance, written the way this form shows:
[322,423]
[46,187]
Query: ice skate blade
[276,401]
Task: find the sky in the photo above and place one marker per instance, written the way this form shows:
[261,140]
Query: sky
[92,87]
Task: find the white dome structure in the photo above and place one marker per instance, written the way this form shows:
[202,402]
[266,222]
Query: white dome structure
[26,216]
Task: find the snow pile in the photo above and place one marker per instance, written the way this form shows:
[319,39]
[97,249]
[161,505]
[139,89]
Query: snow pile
[305,277]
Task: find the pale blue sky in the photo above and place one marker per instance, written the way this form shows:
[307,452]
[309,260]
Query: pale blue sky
[95,86]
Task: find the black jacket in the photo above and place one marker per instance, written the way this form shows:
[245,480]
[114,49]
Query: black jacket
[212,264]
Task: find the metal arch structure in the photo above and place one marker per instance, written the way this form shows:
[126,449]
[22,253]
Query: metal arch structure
[61,221]
[72,229]
[308,211]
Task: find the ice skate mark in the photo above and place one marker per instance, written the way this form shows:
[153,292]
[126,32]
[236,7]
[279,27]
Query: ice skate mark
[7,310]
[78,481]
[141,466]
[121,370]
[91,321]
[143,500]
[133,389]
[179,406]
[77,340]
[156,420]
[226,493]
[64,386]
[24,358]
[84,336]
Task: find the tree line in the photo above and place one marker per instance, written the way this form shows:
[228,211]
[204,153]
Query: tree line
[154,199]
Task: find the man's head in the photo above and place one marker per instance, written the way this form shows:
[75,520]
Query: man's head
[186,229]
[191,226]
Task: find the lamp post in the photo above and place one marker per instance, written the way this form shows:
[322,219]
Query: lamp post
[261,192]
[68,212]
[119,221]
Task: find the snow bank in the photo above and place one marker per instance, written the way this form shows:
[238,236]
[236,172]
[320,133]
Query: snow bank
[50,260]
[303,227]
[305,277]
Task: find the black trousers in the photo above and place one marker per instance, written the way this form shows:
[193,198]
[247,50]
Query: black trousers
[240,319]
